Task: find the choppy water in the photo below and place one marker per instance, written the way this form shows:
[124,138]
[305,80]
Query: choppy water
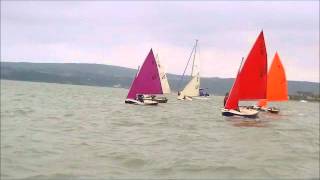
[53,131]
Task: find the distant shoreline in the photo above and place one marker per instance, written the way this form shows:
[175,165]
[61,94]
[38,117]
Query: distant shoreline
[96,64]
[120,77]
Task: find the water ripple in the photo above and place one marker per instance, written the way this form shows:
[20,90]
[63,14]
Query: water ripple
[79,132]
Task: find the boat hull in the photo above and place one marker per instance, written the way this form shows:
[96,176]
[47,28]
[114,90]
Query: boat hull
[243,112]
[155,98]
[160,99]
[273,110]
[202,97]
[184,98]
[269,109]
[145,102]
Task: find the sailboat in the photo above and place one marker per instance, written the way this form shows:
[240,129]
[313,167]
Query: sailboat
[192,89]
[164,84]
[250,83]
[277,88]
[147,82]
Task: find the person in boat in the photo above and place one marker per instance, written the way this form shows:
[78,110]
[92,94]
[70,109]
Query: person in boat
[225,99]
[179,93]
[201,93]
[140,97]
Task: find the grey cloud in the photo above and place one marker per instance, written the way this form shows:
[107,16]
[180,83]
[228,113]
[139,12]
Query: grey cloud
[95,27]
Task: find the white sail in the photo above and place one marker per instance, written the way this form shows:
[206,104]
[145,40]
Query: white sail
[163,78]
[193,87]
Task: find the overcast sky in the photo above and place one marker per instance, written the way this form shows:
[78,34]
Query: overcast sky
[122,33]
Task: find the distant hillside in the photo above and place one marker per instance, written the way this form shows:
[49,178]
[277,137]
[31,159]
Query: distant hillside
[114,76]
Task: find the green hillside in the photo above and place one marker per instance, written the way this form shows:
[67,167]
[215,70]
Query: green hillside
[110,76]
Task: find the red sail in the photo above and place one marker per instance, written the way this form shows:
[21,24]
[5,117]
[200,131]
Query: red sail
[233,99]
[251,82]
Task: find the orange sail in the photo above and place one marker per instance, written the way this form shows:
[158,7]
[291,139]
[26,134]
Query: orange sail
[251,81]
[277,89]
[262,103]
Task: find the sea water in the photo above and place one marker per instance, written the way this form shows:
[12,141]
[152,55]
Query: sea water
[56,131]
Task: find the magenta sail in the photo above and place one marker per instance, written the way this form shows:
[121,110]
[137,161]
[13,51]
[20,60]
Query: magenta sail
[147,80]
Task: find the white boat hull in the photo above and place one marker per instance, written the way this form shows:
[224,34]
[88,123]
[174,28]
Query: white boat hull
[145,102]
[201,98]
[244,112]
[264,109]
[184,98]
[159,99]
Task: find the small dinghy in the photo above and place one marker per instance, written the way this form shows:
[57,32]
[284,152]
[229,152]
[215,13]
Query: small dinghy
[250,83]
[277,88]
[192,89]
[146,82]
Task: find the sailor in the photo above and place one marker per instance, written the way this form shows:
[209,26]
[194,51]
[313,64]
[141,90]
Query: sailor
[201,92]
[140,97]
[225,99]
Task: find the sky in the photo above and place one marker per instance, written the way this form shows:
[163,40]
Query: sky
[122,33]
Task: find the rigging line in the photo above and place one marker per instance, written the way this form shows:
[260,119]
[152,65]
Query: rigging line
[235,80]
[179,84]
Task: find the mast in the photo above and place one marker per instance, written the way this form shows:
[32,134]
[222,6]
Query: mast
[193,49]
[157,59]
[194,56]
[240,65]
[138,71]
